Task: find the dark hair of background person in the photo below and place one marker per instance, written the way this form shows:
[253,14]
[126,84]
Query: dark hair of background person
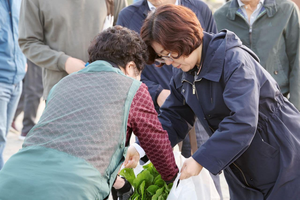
[119,45]
[174,27]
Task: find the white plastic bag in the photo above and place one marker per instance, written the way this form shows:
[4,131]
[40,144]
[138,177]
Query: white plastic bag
[199,187]
[109,22]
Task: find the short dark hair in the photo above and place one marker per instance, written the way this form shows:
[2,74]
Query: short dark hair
[175,27]
[119,45]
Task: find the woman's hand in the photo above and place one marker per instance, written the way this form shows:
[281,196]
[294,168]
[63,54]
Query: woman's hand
[162,97]
[132,157]
[190,168]
[74,65]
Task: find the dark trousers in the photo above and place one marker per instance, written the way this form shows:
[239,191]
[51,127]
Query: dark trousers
[31,95]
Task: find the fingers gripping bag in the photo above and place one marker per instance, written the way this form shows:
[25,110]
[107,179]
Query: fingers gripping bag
[200,187]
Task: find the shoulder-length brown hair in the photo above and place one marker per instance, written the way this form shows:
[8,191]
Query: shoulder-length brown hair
[175,28]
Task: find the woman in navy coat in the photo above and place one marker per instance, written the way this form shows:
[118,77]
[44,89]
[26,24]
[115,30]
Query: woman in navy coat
[254,130]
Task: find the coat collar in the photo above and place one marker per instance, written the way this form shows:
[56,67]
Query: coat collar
[101,66]
[212,58]
[269,5]
[145,8]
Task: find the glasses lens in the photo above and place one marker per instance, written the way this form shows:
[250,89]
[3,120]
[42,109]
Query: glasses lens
[160,60]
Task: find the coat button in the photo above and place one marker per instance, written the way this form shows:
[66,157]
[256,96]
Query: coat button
[251,179]
[183,90]
[276,72]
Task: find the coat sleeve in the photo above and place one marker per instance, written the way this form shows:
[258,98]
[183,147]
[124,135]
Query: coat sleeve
[153,139]
[31,39]
[209,25]
[292,38]
[236,131]
[124,17]
[175,116]
[153,85]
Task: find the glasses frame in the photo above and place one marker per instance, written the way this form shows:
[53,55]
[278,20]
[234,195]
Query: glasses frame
[163,59]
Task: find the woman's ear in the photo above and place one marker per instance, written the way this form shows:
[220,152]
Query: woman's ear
[130,65]
[132,71]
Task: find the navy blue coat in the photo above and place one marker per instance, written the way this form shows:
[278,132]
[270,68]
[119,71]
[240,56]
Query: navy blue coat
[133,17]
[254,130]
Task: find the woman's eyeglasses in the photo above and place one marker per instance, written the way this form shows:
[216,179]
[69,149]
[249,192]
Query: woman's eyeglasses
[163,59]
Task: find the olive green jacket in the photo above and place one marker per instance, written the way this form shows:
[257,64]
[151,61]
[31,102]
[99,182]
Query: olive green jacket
[274,37]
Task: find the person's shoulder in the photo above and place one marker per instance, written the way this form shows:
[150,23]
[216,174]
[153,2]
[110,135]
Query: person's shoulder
[286,4]
[132,9]
[132,13]
[222,10]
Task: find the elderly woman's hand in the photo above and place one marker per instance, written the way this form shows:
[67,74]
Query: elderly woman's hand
[132,157]
[190,168]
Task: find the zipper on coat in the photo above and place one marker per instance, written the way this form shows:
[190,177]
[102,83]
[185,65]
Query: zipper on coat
[194,84]
[250,29]
[242,174]
[194,89]
[213,130]
[250,36]
[250,26]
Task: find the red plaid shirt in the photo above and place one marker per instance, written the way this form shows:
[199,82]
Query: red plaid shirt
[144,123]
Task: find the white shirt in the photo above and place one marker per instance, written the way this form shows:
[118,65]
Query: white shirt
[254,14]
[152,7]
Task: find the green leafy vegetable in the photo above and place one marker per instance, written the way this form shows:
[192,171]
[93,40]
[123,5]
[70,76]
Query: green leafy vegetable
[148,184]
[152,189]
[128,173]
[144,175]
[157,194]
[142,189]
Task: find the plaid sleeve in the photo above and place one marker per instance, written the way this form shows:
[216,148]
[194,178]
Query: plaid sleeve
[144,123]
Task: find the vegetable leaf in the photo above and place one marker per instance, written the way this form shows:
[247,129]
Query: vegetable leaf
[128,173]
[152,189]
[144,175]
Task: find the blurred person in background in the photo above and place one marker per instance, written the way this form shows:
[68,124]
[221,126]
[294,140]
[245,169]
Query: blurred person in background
[78,146]
[12,67]
[55,34]
[270,28]
[30,98]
